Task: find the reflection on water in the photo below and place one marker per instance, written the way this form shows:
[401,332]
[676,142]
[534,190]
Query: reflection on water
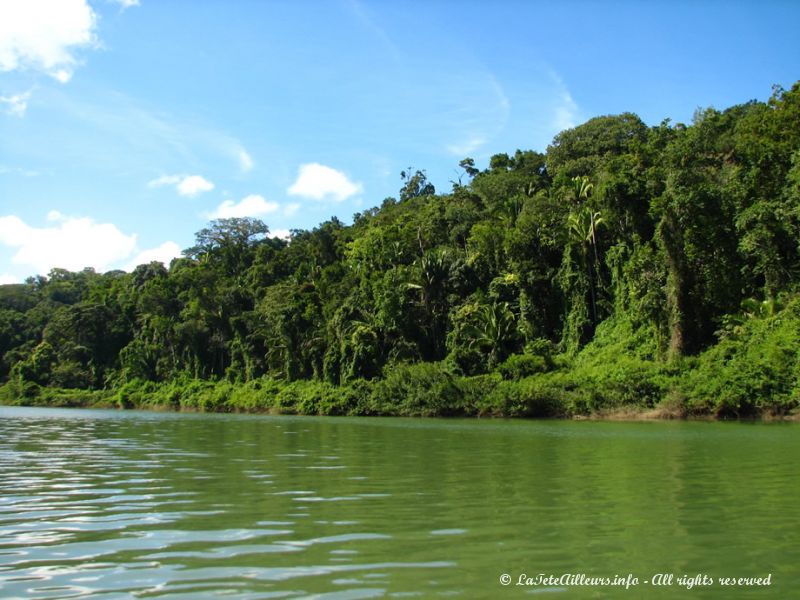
[113,505]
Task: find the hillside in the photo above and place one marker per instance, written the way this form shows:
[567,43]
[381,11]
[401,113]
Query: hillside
[628,266]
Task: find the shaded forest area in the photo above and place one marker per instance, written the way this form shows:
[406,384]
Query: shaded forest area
[628,266]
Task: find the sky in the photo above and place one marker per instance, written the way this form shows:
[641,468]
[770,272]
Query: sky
[127,125]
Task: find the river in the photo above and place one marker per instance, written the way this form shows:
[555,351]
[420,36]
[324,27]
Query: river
[112,504]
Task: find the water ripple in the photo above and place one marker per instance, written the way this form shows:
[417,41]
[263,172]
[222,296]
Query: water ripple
[111,505]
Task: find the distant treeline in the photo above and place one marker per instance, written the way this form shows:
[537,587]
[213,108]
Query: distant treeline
[655,267]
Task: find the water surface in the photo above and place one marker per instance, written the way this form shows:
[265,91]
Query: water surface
[107,504]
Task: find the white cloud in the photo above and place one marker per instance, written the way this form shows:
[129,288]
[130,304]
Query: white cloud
[62,75]
[193,185]
[245,161]
[467,147]
[73,243]
[44,34]
[186,185]
[566,112]
[163,254]
[283,234]
[320,182]
[165,180]
[250,206]
[6,170]
[17,104]
[127,3]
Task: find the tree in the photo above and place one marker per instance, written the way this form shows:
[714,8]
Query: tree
[415,185]
[588,147]
[468,165]
[229,241]
[432,276]
[492,332]
[583,225]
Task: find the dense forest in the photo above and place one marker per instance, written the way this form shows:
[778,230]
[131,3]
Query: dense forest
[650,268]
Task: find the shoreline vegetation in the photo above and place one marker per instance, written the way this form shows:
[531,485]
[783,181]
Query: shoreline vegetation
[309,400]
[629,272]
[752,375]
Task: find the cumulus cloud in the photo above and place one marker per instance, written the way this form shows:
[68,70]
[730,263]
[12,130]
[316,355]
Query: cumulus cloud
[193,185]
[74,243]
[16,105]
[163,254]
[44,35]
[321,183]
[70,243]
[186,185]
[250,206]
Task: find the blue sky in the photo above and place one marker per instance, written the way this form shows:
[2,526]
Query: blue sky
[126,126]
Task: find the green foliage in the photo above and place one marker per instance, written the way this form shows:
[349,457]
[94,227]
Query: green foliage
[482,336]
[422,389]
[31,394]
[530,397]
[316,398]
[519,366]
[619,368]
[588,147]
[755,371]
[415,185]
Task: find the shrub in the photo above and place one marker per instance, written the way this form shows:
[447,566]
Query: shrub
[754,372]
[519,366]
[256,395]
[422,389]
[476,392]
[530,397]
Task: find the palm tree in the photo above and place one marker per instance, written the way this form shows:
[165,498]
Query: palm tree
[493,330]
[583,225]
[583,188]
[433,275]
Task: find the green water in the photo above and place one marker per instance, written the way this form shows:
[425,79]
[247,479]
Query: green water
[109,504]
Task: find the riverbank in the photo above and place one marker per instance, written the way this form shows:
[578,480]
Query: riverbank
[753,372]
[421,390]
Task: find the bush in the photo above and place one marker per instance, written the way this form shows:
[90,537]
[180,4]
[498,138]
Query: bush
[422,389]
[754,372]
[301,397]
[530,397]
[134,394]
[633,382]
[519,366]
[476,392]
[257,395]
